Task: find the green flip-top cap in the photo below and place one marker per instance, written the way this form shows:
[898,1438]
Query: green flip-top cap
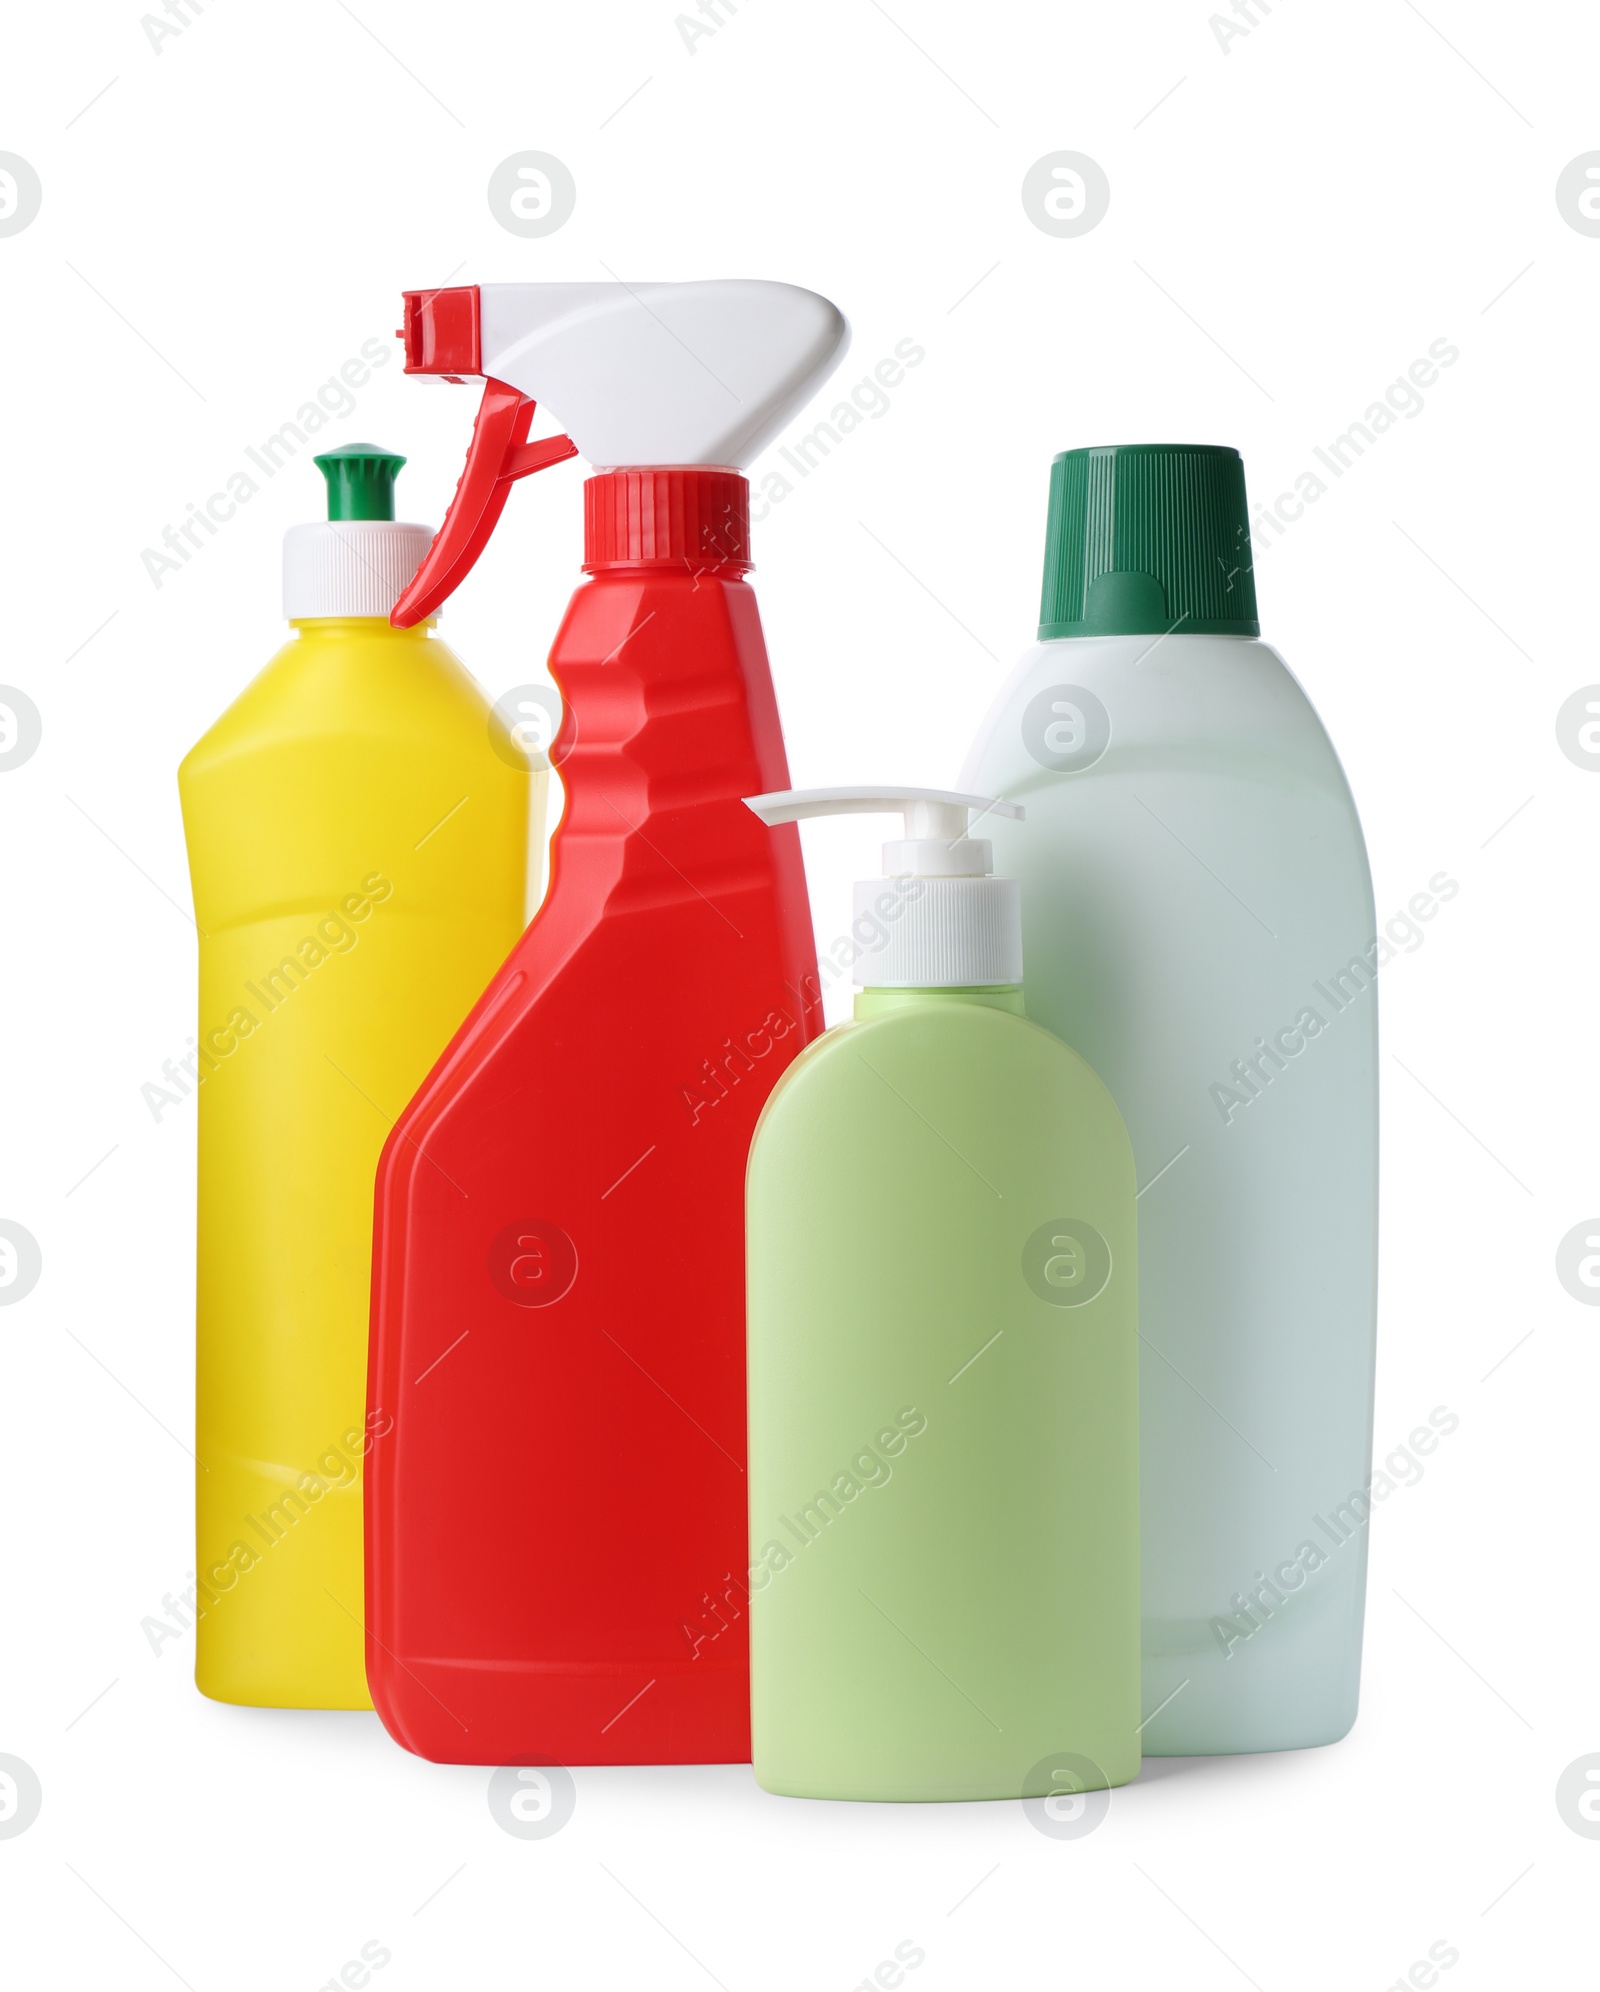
[1148,538]
[360,481]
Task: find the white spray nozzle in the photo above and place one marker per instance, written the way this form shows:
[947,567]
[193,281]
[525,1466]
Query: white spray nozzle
[701,373]
[645,376]
[948,922]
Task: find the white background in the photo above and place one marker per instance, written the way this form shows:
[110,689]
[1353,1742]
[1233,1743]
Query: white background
[1291,226]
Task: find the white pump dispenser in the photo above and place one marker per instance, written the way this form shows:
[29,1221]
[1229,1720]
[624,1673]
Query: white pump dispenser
[951,924]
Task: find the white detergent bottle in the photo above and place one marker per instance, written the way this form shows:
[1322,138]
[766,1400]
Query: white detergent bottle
[1198,918]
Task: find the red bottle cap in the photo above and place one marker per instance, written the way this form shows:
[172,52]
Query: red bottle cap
[686,517]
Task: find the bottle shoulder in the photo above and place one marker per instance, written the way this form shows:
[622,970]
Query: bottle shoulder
[954,1051]
[350,686]
[1163,688]
[1078,712]
[872,1105]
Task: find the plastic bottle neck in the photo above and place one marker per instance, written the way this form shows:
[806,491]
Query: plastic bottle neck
[878,1002]
[691,517]
[362,626]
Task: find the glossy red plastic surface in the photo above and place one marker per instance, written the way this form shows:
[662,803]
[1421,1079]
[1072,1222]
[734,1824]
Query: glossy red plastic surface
[441,330]
[556,1520]
[497,456]
[701,516]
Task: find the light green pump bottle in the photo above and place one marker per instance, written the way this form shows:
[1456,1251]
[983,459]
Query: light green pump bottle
[942,1366]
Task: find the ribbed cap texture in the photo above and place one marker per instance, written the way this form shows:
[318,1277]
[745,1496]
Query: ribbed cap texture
[937,933]
[349,567]
[682,517]
[1148,537]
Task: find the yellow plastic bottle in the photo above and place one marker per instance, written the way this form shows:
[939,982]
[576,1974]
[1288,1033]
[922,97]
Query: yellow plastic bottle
[358,830]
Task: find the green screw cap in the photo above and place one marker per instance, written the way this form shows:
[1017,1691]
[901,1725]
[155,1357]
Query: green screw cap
[360,481]
[1148,538]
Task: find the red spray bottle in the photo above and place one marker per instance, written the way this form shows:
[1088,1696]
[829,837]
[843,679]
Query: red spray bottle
[556,1515]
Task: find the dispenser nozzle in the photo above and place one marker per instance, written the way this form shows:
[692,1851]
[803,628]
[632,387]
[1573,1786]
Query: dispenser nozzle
[928,813]
[952,923]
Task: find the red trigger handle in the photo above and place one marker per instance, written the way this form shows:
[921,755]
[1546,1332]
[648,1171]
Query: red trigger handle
[497,456]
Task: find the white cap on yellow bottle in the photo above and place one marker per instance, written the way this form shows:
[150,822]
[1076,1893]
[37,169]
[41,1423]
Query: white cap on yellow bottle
[359,560]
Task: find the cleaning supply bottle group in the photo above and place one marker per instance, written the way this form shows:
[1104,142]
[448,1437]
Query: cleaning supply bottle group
[936,1408]
[943,1363]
